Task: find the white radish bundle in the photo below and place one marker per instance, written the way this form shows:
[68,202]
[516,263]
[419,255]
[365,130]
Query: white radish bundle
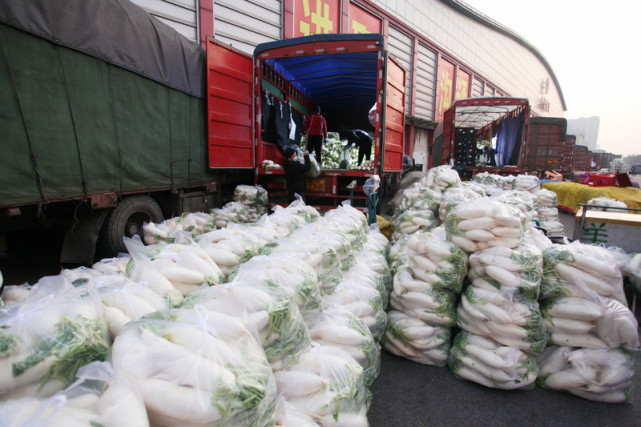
[580,270]
[287,414]
[487,362]
[516,271]
[528,183]
[350,221]
[187,267]
[374,257]
[15,293]
[522,200]
[545,198]
[292,217]
[195,223]
[416,340]
[228,247]
[363,274]
[117,265]
[413,221]
[265,310]
[607,203]
[513,322]
[598,375]
[480,224]
[597,323]
[362,301]
[251,195]
[97,397]
[398,252]
[125,301]
[454,196]
[319,255]
[419,197]
[327,385]
[438,262]
[330,234]
[633,270]
[335,326]
[548,214]
[536,238]
[196,367]
[297,278]
[441,178]
[47,337]
[418,299]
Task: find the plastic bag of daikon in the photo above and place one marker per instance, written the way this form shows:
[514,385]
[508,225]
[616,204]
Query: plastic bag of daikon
[326,384]
[336,326]
[195,223]
[633,270]
[605,375]
[441,178]
[46,337]
[607,203]
[350,221]
[297,278]
[265,310]
[169,267]
[419,197]
[196,367]
[363,301]
[415,340]
[482,223]
[484,361]
[454,196]
[529,183]
[578,270]
[97,397]
[522,200]
[412,221]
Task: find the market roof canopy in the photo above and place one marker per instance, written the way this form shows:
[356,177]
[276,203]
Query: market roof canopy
[480,112]
[333,79]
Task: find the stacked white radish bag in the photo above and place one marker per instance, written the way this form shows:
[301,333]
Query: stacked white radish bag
[97,397]
[633,270]
[529,183]
[522,200]
[501,326]
[194,223]
[482,223]
[298,279]
[336,326]
[607,203]
[327,385]
[47,336]
[411,221]
[196,367]
[255,198]
[548,213]
[428,278]
[453,196]
[265,309]
[592,334]
[168,268]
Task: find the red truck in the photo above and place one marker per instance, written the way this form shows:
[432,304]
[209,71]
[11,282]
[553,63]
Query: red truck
[568,153]
[134,123]
[498,123]
[581,158]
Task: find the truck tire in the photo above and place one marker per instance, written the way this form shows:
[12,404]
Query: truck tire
[126,220]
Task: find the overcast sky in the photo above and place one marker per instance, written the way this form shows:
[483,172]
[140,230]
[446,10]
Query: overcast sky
[594,48]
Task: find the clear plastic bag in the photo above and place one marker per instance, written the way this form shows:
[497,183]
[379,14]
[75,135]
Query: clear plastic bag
[196,367]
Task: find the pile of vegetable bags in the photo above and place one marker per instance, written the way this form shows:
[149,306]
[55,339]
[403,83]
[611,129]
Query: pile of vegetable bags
[606,203]
[249,205]
[427,279]
[47,336]
[334,155]
[502,331]
[592,334]
[547,212]
[97,397]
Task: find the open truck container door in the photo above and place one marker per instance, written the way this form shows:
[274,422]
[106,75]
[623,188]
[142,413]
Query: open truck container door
[499,121]
[344,74]
[230,107]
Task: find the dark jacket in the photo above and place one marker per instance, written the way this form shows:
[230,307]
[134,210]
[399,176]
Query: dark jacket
[295,174]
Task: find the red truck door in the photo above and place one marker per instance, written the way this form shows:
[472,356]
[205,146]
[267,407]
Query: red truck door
[230,128]
[394,117]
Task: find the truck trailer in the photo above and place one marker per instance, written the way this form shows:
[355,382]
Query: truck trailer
[112,119]
[544,150]
[485,135]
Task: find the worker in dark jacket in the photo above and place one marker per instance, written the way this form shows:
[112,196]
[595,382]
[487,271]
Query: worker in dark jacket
[295,174]
[360,139]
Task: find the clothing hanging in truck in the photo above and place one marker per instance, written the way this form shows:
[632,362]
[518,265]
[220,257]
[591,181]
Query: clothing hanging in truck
[299,119]
[267,124]
[281,122]
[508,140]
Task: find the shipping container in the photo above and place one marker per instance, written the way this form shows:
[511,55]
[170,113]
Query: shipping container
[544,149]
[568,153]
[581,159]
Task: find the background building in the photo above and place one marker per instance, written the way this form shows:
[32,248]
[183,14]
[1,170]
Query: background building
[448,49]
[586,130]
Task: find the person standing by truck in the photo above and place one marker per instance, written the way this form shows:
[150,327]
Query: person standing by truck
[360,139]
[295,174]
[315,128]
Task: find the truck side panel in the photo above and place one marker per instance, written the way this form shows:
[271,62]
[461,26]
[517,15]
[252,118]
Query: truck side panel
[91,127]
